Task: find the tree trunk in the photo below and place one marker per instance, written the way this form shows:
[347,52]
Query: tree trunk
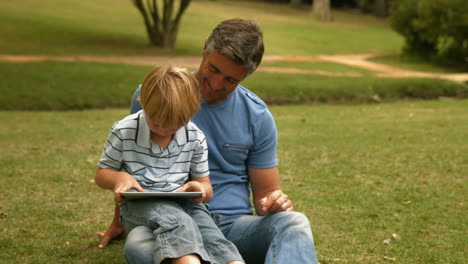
[161,26]
[296,2]
[321,10]
[381,8]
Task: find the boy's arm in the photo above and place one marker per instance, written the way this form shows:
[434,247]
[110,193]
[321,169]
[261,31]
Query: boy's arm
[118,181]
[199,184]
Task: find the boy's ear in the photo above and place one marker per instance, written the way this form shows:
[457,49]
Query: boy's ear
[204,48]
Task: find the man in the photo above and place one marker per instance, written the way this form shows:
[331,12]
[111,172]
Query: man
[242,142]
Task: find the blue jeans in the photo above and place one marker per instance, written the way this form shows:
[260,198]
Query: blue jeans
[168,229]
[280,238]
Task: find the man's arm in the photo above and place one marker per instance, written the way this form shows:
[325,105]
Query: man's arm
[114,231]
[267,194]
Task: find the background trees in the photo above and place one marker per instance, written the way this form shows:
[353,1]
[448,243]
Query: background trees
[436,29]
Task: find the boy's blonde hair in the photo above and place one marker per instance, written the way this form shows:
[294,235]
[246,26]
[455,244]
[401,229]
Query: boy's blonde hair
[170,96]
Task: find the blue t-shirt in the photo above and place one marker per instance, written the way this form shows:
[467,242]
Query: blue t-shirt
[241,133]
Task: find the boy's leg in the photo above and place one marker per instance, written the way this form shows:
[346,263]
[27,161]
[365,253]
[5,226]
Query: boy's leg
[174,231]
[139,245]
[282,238]
[219,248]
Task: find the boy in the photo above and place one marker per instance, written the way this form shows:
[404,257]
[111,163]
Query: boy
[159,149]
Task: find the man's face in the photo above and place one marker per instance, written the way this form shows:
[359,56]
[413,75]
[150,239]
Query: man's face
[218,76]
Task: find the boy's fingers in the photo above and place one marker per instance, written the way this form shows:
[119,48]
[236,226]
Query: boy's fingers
[182,189]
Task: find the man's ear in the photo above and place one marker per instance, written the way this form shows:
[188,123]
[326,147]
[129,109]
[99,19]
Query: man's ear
[204,48]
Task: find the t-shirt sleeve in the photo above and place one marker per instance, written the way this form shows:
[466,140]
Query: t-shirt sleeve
[135,104]
[199,164]
[111,157]
[263,153]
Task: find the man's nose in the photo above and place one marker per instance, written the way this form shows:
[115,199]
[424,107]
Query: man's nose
[217,82]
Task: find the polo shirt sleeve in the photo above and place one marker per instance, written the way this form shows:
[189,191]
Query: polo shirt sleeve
[199,164]
[111,157]
[263,152]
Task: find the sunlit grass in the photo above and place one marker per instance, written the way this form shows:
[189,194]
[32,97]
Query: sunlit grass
[360,173]
[116,28]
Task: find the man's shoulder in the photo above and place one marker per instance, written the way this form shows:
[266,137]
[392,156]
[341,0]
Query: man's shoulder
[250,98]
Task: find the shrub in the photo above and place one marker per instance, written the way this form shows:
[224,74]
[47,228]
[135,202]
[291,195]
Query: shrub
[434,29]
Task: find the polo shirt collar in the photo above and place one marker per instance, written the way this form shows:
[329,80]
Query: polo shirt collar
[143,135]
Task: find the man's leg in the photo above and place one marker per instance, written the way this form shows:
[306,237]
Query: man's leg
[281,238]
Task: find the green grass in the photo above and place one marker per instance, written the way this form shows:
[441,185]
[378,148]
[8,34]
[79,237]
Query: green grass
[330,67]
[107,27]
[359,172]
[66,85]
[413,63]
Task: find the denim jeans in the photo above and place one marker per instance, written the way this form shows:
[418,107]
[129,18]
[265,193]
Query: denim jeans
[281,238]
[164,229]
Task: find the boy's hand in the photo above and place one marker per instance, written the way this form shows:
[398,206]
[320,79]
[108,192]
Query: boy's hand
[124,183]
[194,186]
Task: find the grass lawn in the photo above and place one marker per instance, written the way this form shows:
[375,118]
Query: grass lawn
[66,85]
[381,183]
[361,173]
[107,27]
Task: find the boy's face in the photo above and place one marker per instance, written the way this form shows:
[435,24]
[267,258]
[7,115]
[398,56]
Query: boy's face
[160,131]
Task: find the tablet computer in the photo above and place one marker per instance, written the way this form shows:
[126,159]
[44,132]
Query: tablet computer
[162,195]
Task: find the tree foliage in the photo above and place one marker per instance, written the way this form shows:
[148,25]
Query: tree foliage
[436,29]
[162,19]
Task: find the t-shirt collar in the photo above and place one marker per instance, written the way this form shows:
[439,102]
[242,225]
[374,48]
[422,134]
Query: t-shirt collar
[143,135]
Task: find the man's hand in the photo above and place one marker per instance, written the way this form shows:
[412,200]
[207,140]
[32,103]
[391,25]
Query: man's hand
[115,231]
[274,202]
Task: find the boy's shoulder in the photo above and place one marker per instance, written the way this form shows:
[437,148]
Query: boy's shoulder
[130,121]
[193,129]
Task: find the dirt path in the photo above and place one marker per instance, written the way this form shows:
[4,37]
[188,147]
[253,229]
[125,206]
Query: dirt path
[356,60]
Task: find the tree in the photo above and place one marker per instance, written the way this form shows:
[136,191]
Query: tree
[436,29]
[321,10]
[295,2]
[160,23]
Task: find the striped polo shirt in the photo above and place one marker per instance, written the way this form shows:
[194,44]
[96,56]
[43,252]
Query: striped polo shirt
[129,148]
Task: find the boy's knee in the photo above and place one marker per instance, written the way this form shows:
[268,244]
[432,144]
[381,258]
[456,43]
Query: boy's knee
[139,245]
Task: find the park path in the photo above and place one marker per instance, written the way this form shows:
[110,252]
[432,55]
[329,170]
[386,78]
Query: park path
[353,60]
